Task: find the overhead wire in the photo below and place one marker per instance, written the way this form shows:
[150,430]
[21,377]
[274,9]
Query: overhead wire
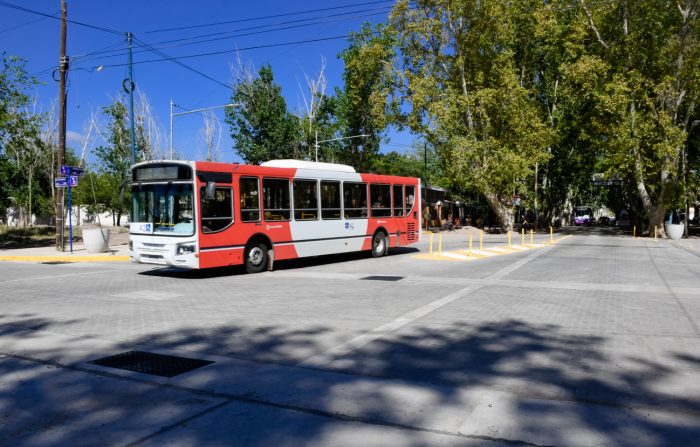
[255,47]
[12,28]
[174,60]
[75,22]
[231,34]
[250,19]
[76,59]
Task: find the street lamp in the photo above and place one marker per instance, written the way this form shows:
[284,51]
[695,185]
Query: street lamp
[186,112]
[335,139]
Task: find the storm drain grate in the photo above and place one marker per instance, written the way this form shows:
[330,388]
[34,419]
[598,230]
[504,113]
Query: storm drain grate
[55,262]
[149,363]
[382,278]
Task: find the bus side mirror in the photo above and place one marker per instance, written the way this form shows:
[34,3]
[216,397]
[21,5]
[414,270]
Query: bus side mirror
[210,191]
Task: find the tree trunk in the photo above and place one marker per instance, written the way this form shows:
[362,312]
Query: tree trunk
[654,211]
[504,213]
[31,180]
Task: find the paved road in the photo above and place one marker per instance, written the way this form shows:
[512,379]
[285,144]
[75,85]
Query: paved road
[592,341]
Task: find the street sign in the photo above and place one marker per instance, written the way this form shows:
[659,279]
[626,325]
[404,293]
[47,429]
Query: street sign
[64,182]
[72,170]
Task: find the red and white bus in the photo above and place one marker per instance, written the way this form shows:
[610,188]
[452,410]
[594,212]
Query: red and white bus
[196,214]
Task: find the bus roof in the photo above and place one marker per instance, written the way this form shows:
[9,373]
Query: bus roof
[301,164]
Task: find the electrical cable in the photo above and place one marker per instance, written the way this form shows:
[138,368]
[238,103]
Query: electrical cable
[32,11]
[26,23]
[183,65]
[78,58]
[256,47]
[233,35]
[250,19]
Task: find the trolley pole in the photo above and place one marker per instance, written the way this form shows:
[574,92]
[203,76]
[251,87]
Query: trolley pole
[129,38]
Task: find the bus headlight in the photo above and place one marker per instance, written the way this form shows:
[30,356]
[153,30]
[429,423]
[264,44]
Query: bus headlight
[185,249]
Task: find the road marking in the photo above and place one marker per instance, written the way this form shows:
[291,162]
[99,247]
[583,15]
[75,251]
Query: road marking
[324,358]
[456,256]
[58,276]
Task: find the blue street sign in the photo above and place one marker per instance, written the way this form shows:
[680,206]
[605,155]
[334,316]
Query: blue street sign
[63,182]
[72,170]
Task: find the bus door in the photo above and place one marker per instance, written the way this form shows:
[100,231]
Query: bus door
[410,230]
[215,191]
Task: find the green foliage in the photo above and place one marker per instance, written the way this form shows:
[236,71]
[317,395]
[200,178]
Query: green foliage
[467,96]
[646,96]
[114,162]
[261,127]
[24,158]
[366,104]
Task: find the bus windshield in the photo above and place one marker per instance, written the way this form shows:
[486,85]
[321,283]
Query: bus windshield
[165,209]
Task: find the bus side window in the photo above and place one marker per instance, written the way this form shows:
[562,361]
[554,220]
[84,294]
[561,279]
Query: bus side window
[330,200]
[410,198]
[398,200]
[217,212]
[276,199]
[305,200]
[250,199]
[381,200]
[355,199]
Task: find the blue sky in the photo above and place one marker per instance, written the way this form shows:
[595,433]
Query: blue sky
[36,39]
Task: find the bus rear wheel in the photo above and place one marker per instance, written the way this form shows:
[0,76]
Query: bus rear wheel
[256,258]
[379,245]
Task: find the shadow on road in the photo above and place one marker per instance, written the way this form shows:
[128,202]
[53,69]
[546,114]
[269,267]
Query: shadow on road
[566,383]
[290,264]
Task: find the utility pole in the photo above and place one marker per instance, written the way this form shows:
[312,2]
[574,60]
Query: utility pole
[425,170]
[316,146]
[171,129]
[62,70]
[536,172]
[129,38]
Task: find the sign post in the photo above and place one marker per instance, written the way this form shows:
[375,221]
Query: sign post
[70,181]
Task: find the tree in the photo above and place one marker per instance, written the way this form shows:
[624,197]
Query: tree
[649,100]
[114,161]
[366,105]
[318,120]
[22,151]
[465,95]
[211,135]
[261,127]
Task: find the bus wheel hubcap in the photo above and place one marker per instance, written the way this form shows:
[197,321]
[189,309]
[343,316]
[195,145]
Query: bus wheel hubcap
[379,244]
[255,256]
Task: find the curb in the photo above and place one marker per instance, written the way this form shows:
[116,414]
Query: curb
[63,258]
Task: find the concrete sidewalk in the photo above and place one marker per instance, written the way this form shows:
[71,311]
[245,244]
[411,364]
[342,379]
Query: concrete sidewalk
[116,253]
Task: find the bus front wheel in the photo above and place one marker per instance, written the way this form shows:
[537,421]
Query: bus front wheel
[379,245]
[256,258]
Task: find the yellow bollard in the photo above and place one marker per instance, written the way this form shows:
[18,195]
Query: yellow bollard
[509,239]
[531,237]
[481,240]
[431,243]
[470,244]
[634,232]
[440,244]
[551,234]
[523,236]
